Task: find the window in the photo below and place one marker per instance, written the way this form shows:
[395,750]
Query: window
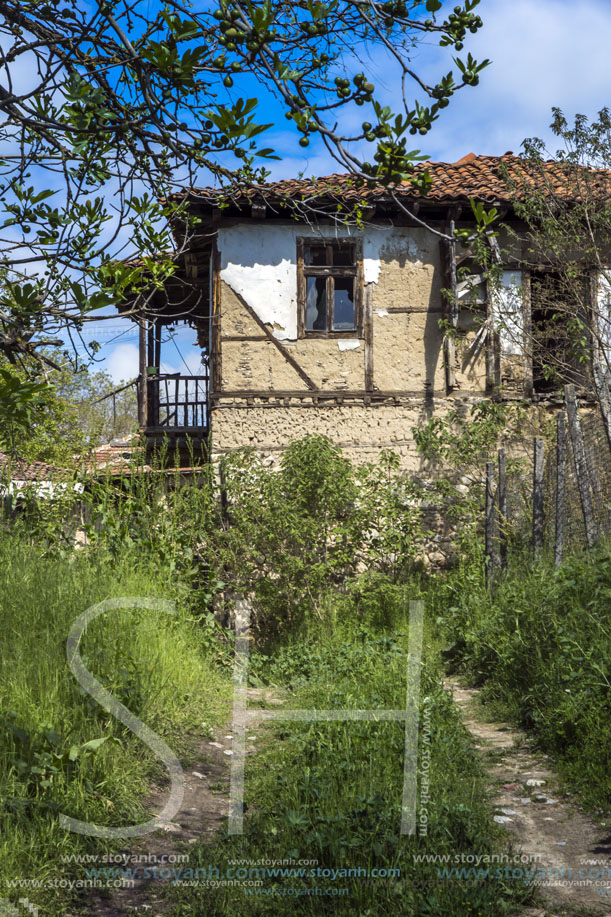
[329,283]
[559,330]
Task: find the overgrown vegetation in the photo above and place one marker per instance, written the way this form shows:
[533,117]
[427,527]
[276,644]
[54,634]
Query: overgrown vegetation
[60,751]
[51,412]
[540,645]
[331,792]
[327,555]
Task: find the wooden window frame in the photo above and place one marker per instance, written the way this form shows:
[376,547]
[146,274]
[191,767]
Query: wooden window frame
[528,274]
[304,271]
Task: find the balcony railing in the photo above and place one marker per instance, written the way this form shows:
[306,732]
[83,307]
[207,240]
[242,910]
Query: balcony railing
[177,402]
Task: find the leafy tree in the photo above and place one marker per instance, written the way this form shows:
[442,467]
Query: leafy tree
[52,416]
[109,107]
[23,403]
[565,211]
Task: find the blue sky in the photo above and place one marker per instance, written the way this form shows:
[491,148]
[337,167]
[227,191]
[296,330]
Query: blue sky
[544,53]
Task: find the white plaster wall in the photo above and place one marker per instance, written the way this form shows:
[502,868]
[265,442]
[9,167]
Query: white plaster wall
[259,261]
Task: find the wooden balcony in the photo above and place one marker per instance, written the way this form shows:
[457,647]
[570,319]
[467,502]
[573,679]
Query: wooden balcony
[177,407]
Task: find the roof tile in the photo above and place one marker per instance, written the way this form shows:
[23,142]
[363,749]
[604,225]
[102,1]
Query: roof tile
[483,178]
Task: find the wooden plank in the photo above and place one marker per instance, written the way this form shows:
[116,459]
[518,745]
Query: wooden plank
[537,495]
[142,377]
[216,351]
[528,332]
[151,385]
[368,335]
[450,285]
[273,340]
[407,310]
[357,394]
[496,359]
[223,495]
[359,297]
[581,465]
[560,486]
[464,256]
[491,559]
[603,397]
[489,348]
[502,508]
[449,355]
[453,277]
[243,337]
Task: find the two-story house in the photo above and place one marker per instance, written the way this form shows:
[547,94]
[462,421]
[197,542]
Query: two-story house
[321,307]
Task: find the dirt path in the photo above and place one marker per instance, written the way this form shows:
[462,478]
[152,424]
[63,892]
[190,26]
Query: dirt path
[204,809]
[548,827]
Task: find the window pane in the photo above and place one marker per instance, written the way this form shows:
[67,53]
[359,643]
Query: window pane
[343,254]
[316,304]
[343,304]
[316,255]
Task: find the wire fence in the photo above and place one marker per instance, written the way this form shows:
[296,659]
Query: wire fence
[559,498]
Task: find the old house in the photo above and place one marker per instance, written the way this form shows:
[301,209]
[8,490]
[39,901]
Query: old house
[321,307]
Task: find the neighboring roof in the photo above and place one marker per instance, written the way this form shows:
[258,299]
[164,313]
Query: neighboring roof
[29,471]
[123,456]
[118,456]
[483,178]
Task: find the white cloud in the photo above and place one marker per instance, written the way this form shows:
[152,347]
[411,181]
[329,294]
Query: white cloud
[122,363]
[544,54]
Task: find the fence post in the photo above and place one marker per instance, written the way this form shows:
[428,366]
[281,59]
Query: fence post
[581,465]
[538,512]
[601,387]
[502,509]
[560,486]
[223,494]
[142,377]
[490,552]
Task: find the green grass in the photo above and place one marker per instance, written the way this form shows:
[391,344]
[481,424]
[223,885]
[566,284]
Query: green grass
[163,668]
[331,792]
[540,645]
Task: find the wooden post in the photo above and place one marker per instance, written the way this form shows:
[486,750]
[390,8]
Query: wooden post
[368,336]
[560,486]
[538,510]
[489,546]
[142,378]
[223,493]
[594,476]
[601,387]
[502,509]
[528,335]
[448,258]
[581,465]
[597,335]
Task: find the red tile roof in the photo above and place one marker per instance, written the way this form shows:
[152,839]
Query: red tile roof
[18,470]
[124,455]
[483,178]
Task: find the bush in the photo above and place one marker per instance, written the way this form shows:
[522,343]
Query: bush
[541,644]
